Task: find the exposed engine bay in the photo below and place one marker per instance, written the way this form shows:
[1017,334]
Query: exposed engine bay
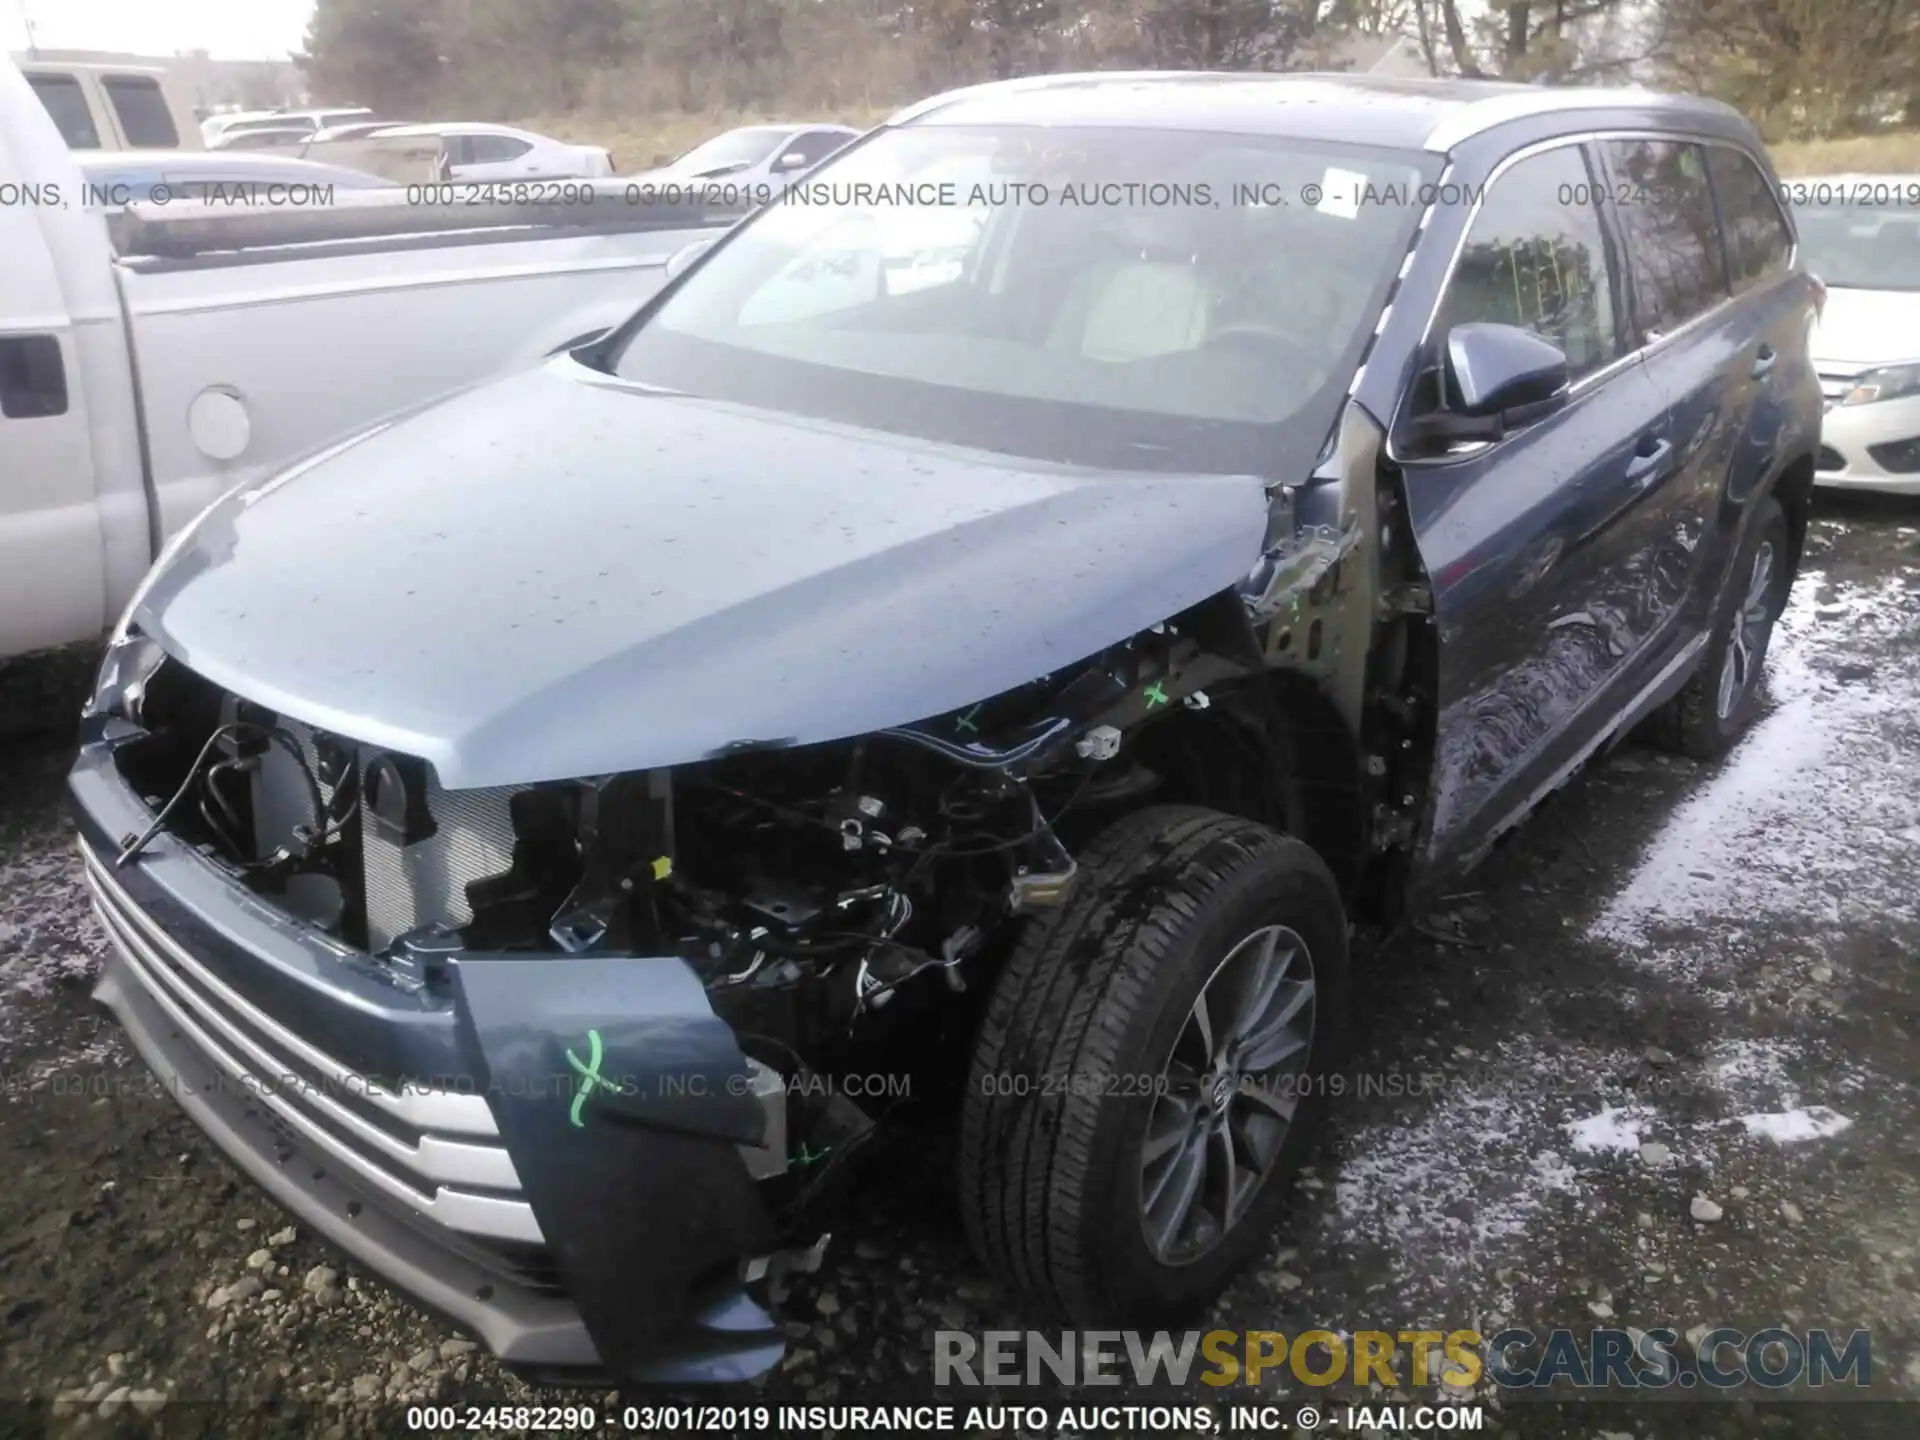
[835,900]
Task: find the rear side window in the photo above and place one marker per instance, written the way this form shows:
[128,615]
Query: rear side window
[489,149]
[144,117]
[1536,257]
[62,96]
[1672,231]
[1759,241]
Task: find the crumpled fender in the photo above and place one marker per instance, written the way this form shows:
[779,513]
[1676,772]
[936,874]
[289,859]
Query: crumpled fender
[628,1158]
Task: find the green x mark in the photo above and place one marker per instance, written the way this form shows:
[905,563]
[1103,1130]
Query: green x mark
[1155,695]
[589,1075]
[965,722]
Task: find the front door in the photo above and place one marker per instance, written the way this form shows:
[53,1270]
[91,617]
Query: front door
[53,583]
[1534,542]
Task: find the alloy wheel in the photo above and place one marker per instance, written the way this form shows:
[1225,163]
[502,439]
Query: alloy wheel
[1228,1097]
[1748,642]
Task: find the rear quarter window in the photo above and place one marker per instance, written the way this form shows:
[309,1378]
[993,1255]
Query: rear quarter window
[142,108]
[1759,239]
[1672,230]
[490,149]
[67,104]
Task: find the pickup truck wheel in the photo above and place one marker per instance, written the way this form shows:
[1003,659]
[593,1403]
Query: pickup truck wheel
[1705,719]
[1148,1074]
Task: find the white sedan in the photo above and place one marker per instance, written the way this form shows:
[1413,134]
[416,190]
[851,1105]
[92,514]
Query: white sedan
[1861,235]
[475,151]
[756,155]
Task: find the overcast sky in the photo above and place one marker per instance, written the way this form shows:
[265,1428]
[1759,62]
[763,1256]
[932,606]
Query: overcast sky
[230,29]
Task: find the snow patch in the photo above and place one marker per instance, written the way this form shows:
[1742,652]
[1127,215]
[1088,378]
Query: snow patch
[1615,1129]
[1788,1127]
[1795,822]
[1465,1179]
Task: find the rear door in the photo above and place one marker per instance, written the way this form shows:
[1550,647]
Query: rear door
[1777,312]
[1532,542]
[1708,354]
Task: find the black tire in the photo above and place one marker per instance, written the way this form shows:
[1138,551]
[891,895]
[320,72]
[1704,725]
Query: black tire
[1695,722]
[1095,996]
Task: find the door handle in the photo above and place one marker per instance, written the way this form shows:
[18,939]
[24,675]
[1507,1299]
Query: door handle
[1649,460]
[1763,362]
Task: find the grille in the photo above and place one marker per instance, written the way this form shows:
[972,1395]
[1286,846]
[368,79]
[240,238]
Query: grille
[1830,459]
[429,1155]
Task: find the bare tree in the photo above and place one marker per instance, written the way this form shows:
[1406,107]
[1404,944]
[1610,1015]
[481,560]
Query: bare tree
[1805,67]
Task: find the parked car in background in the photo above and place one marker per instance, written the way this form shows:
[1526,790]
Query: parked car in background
[756,154]
[358,130]
[113,107]
[1014,687]
[290,138]
[471,150]
[226,130]
[119,179]
[214,126]
[1861,235]
[327,116]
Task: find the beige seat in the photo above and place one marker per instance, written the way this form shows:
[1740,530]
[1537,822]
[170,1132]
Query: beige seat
[1132,310]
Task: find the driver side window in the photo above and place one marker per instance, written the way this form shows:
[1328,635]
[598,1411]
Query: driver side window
[1536,257]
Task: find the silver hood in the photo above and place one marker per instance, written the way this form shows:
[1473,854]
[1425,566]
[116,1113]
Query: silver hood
[557,575]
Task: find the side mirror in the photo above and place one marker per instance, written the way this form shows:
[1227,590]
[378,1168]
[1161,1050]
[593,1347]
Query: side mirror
[1494,378]
[678,262]
[1494,369]
[792,160]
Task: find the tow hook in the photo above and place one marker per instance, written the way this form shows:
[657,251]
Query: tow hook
[775,1271]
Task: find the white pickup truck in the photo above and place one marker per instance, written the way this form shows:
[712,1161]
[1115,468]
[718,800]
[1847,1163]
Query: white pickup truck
[153,360]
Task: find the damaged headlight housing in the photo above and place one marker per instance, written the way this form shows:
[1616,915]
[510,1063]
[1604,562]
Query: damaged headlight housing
[1889,382]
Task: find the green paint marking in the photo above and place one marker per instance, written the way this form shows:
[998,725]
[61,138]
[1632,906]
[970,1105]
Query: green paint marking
[808,1154]
[589,1075]
[1155,695]
[965,722]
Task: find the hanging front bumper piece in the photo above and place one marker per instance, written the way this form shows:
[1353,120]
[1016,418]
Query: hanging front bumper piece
[555,1153]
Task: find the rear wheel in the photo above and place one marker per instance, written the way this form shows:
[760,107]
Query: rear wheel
[1152,1065]
[1720,701]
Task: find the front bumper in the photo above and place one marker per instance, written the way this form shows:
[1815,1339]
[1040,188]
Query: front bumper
[431,1136]
[1860,445]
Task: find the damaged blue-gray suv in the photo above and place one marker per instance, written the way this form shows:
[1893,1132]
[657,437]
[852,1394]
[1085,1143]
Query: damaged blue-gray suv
[971,648]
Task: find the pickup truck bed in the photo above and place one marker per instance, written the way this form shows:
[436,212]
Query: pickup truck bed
[151,363]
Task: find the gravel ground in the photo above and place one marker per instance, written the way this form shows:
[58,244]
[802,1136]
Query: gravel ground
[1654,1064]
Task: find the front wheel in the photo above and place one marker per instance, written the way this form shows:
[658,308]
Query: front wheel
[1720,701]
[1152,1065]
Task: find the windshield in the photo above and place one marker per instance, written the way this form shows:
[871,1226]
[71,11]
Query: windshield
[1859,247]
[1160,300]
[736,147]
